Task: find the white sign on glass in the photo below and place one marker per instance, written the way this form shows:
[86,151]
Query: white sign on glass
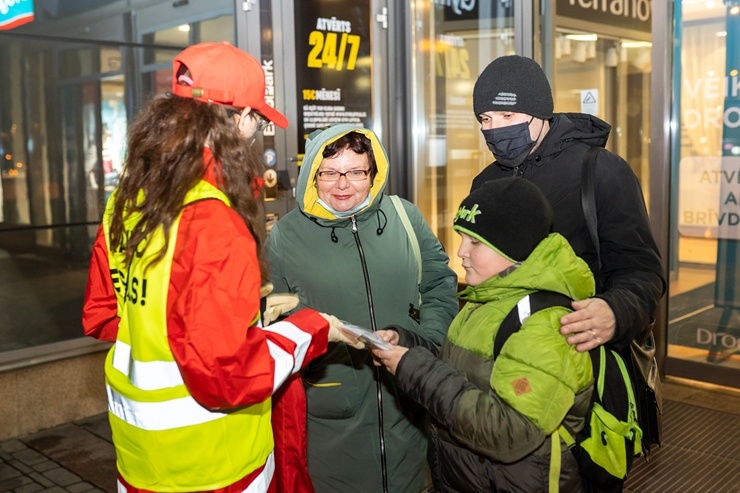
[590,101]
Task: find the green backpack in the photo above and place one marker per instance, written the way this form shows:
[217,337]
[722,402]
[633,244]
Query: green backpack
[605,448]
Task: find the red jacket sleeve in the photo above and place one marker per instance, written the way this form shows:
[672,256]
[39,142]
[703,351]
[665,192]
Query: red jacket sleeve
[100,309]
[213,300]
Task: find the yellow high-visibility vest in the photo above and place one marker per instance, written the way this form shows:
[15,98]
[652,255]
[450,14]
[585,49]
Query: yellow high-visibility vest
[164,439]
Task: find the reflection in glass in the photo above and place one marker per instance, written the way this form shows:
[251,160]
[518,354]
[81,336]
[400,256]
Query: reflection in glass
[218,29]
[64,109]
[608,78]
[114,120]
[704,302]
[42,293]
[63,120]
[451,48]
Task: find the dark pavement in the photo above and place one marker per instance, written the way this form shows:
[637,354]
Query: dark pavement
[700,451]
[70,458]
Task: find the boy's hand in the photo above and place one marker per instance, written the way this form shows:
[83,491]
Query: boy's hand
[388,335]
[389,358]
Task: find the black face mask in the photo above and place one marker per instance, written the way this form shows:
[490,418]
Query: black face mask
[510,145]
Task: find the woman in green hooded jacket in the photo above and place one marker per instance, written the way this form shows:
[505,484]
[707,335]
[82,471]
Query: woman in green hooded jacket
[345,250]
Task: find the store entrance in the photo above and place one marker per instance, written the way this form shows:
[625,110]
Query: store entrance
[704,306]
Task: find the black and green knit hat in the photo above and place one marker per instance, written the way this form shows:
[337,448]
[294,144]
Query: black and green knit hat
[510,215]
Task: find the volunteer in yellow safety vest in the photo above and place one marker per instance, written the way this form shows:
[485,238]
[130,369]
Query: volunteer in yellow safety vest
[174,282]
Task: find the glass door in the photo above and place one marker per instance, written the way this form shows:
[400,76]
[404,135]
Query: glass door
[451,45]
[704,297]
[608,77]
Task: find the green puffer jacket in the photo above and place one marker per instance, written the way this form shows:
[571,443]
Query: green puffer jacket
[492,421]
[343,420]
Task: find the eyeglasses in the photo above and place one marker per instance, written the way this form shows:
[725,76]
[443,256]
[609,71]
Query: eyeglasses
[351,175]
[258,117]
[262,122]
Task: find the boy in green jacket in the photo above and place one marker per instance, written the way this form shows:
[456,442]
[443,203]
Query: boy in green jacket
[495,422]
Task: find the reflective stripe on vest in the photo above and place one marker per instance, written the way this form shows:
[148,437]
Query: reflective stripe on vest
[146,375]
[286,363]
[164,439]
[174,413]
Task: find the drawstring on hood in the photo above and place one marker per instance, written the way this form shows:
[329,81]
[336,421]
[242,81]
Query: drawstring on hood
[335,239]
[315,220]
[378,213]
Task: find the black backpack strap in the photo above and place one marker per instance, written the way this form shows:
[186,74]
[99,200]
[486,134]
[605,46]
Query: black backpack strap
[512,322]
[588,200]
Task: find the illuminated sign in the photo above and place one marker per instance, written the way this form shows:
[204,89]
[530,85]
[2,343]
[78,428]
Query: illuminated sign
[14,13]
[628,14]
[334,66]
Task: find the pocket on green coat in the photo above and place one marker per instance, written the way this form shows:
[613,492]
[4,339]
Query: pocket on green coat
[331,400]
[332,392]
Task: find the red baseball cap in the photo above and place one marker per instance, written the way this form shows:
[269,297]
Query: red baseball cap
[222,73]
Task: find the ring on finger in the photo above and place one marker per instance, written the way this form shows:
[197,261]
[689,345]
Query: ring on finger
[593,333]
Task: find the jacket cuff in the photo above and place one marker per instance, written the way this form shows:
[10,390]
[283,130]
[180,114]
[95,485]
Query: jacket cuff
[410,339]
[432,383]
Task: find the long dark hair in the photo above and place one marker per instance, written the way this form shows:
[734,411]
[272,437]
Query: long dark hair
[165,160]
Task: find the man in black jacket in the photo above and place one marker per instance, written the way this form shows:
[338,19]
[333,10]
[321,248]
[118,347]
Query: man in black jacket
[512,100]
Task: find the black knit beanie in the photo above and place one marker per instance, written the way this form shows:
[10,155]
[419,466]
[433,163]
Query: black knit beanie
[510,215]
[513,83]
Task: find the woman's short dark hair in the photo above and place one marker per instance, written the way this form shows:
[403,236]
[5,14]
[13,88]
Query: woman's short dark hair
[357,143]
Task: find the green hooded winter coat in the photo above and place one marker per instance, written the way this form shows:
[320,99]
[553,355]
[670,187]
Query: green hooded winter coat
[492,420]
[363,270]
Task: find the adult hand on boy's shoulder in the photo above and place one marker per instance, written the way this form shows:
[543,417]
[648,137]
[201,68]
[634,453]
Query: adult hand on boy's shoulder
[590,325]
[390,357]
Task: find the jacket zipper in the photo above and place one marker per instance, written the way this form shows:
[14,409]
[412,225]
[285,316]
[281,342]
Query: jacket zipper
[374,327]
